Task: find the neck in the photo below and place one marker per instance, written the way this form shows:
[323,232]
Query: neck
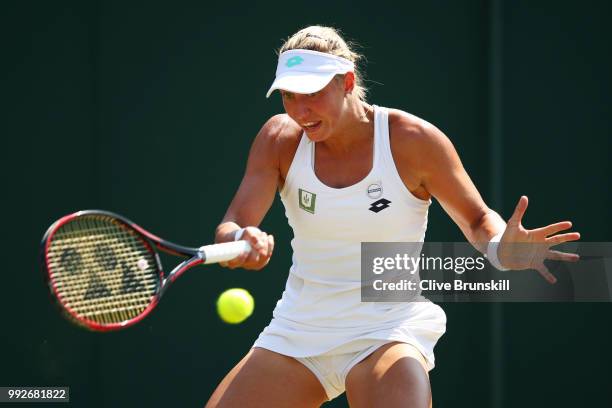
[356,127]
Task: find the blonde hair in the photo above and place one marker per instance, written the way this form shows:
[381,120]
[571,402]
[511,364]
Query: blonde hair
[328,40]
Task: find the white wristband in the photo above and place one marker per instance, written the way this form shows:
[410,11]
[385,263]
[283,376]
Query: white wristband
[238,234]
[492,252]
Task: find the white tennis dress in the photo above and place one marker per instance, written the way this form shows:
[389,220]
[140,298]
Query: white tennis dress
[320,312]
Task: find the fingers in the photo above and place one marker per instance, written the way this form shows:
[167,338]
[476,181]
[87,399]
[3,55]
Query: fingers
[261,253]
[562,256]
[263,260]
[262,246]
[236,262]
[552,228]
[550,278]
[519,211]
[559,239]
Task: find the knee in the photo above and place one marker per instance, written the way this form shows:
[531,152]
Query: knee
[404,383]
[407,378]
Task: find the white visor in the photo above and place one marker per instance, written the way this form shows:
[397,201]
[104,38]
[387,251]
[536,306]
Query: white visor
[306,71]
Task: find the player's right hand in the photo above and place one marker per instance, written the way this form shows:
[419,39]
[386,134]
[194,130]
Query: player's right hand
[262,246]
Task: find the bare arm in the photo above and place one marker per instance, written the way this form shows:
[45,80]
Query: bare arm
[255,196]
[428,153]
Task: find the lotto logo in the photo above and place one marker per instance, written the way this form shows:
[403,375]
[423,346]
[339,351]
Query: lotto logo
[293,61]
[378,206]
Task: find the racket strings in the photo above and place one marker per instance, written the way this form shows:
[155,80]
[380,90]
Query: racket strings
[102,270]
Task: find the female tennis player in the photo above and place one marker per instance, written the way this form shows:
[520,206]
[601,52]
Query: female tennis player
[350,172]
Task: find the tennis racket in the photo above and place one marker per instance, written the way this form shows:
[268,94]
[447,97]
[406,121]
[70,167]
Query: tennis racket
[104,271]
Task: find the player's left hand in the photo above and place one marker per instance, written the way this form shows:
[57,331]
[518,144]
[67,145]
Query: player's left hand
[521,248]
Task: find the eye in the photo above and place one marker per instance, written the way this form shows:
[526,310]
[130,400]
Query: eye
[310,95]
[287,95]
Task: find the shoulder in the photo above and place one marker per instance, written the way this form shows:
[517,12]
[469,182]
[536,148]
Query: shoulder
[279,125]
[411,130]
[415,138]
[280,137]
[280,129]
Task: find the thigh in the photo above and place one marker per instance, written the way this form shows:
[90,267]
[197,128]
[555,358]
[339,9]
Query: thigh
[264,378]
[393,376]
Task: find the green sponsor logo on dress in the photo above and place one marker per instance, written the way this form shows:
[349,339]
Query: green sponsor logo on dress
[307,200]
[293,61]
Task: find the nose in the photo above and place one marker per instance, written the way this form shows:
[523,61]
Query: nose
[301,109]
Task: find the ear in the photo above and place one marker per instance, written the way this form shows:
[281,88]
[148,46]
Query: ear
[349,82]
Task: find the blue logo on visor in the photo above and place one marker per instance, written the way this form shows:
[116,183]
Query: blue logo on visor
[293,61]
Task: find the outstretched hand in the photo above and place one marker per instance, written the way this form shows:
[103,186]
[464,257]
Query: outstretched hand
[521,248]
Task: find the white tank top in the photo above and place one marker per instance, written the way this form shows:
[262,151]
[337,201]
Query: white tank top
[321,307]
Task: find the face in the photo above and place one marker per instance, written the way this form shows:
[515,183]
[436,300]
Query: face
[320,113]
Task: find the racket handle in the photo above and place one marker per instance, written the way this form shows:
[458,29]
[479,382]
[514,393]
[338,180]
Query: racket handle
[224,252]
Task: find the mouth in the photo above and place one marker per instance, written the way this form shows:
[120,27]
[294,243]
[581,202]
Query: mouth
[311,126]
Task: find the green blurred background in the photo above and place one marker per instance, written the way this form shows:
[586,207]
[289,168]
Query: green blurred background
[148,109]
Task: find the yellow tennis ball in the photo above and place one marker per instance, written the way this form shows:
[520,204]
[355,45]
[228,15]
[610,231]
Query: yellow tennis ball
[235,305]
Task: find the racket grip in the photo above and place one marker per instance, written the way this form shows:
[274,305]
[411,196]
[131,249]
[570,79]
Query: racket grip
[224,252]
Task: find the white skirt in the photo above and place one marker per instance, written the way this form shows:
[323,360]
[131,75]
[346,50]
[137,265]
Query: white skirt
[307,327]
